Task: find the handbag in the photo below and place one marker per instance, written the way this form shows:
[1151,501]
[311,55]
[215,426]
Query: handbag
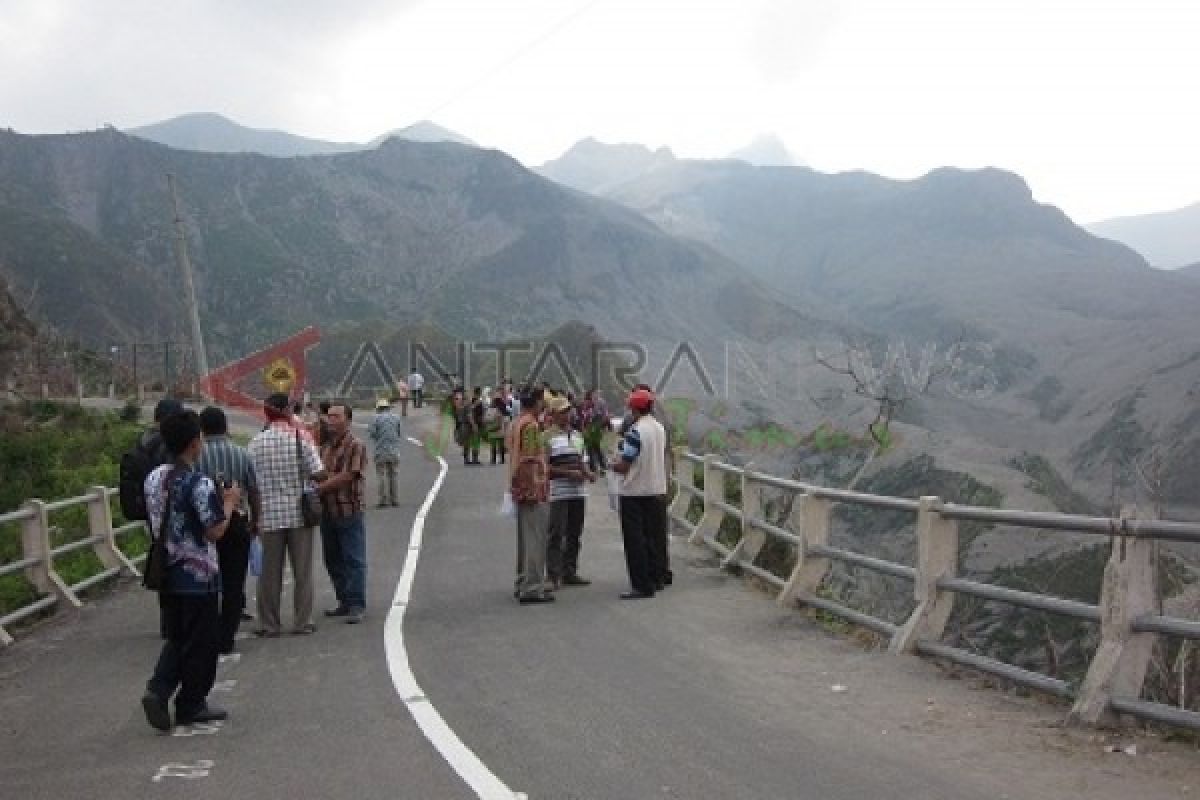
[310,500]
[154,574]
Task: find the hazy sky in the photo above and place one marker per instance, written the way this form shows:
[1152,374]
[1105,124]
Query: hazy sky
[1094,102]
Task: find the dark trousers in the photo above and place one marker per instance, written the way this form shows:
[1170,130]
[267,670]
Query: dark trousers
[660,551]
[566,530]
[418,396]
[233,555]
[188,661]
[344,547]
[498,448]
[643,556]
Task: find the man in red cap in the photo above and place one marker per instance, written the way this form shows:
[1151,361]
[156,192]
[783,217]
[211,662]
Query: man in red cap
[642,465]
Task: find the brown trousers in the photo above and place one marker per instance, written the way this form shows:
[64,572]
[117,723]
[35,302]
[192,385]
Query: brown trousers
[297,545]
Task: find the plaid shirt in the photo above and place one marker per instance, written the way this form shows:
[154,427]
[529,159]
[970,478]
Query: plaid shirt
[277,467]
[343,455]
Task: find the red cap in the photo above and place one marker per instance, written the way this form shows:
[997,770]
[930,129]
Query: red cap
[641,400]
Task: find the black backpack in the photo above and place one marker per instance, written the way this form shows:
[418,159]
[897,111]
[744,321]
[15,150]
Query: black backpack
[136,465]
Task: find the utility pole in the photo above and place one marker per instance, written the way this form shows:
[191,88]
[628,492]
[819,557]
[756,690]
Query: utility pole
[189,287]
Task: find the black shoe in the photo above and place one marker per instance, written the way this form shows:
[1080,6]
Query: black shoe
[354,616]
[247,616]
[533,599]
[157,713]
[660,586]
[669,578]
[575,580]
[206,714]
[636,595]
[340,611]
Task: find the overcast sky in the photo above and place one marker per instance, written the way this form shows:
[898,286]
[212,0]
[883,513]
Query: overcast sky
[1094,102]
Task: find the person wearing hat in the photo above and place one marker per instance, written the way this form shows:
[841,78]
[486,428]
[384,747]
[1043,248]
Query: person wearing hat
[641,463]
[385,432]
[282,457]
[568,495]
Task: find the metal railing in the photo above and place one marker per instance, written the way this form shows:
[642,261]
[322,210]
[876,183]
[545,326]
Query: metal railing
[38,553]
[1127,614]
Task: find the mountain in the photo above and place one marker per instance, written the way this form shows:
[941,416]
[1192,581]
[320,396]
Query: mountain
[423,131]
[1169,239]
[1088,355]
[767,150]
[409,232]
[212,133]
[595,167]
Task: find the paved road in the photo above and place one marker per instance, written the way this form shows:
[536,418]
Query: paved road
[707,691]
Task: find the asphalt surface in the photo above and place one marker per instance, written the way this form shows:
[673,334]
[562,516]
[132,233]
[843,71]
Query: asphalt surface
[707,691]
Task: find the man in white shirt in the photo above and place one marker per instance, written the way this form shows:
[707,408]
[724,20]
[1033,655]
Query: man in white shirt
[642,464]
[416,387]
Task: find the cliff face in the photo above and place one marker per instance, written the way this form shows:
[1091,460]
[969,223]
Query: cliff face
[18,336]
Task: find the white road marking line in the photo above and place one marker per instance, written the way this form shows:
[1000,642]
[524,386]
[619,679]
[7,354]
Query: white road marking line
[229,658]
[199,769]
[197,729]
[224,686]
[483,781]
[411,440]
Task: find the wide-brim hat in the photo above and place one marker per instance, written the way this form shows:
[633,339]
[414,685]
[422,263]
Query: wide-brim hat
[556,403]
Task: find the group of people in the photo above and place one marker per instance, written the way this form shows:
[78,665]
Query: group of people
[207,498]
[552,461]
[487,416]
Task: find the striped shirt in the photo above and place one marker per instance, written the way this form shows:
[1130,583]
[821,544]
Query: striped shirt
[276,460]
[565,449]
[222,459]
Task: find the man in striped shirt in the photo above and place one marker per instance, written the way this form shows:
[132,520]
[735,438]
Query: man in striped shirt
[568,471]
[227,463]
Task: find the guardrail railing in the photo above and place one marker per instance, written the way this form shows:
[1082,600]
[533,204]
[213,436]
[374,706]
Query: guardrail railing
[1127,614]
[38,552]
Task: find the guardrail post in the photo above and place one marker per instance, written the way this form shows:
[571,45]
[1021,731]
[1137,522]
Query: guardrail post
[937,558]
[752,539]
[35,543]
[714,492]
[100,526]
[813,515]
[684,473]
[1118,668]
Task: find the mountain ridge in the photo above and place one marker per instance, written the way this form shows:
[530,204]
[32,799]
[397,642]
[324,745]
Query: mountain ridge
[1168,239]
[210,132]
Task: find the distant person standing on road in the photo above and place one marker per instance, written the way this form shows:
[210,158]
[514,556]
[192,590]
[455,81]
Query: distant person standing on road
[528,474]
[227,463]
[282,458]
[496,422]
[402,393]
[568,471]
[190,513]
[416,385]
[343,530]
[642,464]
[385,432]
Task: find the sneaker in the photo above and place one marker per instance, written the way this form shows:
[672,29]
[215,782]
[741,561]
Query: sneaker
[354,616]
[340,611]
[205,714]
[157,713]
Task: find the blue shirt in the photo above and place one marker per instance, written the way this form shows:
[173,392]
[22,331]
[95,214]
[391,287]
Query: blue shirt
[195,506]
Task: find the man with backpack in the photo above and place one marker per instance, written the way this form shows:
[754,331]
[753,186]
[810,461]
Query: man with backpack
[189,514]
[149,452]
